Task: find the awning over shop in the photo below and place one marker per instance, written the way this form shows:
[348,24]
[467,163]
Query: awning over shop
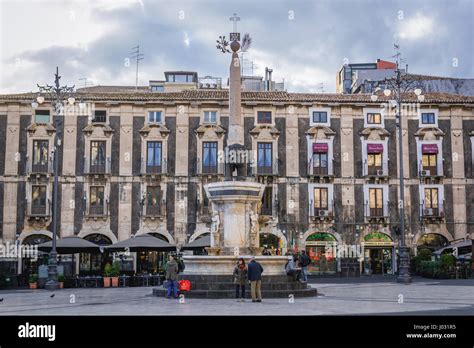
[320,147]
[199,243]
[142,242]
[429,148]
[374,148]
[70,245]
[461,244]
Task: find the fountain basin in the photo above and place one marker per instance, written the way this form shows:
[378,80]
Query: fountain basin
[224,265]
[234,191]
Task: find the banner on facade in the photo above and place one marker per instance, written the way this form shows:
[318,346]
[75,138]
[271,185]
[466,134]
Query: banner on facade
[429,148]
[320,148]
[374,148]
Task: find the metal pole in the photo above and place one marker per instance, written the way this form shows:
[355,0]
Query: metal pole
[56,94]
[404,270]
[52,283]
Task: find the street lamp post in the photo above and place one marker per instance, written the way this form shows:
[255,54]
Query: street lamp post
[56,94]
[401,86]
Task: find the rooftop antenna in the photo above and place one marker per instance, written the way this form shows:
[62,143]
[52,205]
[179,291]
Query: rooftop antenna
[244,65]
[253,66]
[321,87]
[398,55]
[86,82]
[138,56]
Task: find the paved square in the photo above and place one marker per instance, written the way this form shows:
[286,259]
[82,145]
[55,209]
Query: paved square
[338,297]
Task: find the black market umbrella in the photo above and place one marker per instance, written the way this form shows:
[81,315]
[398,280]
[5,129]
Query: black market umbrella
[199,243]
[464,243]
[142,242]
[71,245]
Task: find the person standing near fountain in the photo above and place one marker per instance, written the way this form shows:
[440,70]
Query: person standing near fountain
[255,276]
[240,278]
[172,277]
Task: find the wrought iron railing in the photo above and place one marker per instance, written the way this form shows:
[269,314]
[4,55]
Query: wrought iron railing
[202,169]
[375,171]
[376,211]
[151,168]
[102,167]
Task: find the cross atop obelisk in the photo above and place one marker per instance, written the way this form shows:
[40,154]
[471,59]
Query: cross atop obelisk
[234,19]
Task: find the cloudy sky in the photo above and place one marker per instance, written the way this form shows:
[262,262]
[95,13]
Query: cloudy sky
[305,42]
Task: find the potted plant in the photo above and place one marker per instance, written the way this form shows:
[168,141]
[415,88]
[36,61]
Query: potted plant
[61,280]
[107,274]
[114,273]
[33,281]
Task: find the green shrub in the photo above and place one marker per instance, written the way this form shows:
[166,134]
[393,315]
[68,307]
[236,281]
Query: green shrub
[61,278]
[108,270]
[433,269]
[424,254]
[33,278]
[448,261]
[115,269]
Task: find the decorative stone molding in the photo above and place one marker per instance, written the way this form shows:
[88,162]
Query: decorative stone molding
[256,131]
[106,232]
[34,127]
[218,130]
[314,132]
[429,131]
[126,129]
[89,129]
[145,131]
[25,234]
[374,133]
[346,131]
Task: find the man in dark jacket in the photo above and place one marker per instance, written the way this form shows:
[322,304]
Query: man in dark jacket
[255,271]
[305,261]
[172,277]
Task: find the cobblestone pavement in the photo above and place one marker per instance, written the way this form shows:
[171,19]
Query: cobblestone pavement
[337,297]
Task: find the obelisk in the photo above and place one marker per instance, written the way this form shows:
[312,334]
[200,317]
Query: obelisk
[236,127]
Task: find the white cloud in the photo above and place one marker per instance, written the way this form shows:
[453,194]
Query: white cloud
[299,76]
[415,28]
[186,40]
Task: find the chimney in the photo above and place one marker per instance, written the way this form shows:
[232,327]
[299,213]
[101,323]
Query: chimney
[268,79]
[270,87]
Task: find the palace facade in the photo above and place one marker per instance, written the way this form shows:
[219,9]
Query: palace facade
[136,162]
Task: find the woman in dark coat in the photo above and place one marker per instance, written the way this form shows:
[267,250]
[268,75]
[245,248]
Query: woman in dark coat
[240,278]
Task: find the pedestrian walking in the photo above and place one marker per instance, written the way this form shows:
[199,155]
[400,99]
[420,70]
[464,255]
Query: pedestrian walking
[240,278]
[172,277]
[305,261]
[255,271]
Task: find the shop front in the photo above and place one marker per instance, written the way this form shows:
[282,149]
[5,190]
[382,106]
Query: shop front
[31,266]
[379,254]
[93,264]
[152,262]
[320,248]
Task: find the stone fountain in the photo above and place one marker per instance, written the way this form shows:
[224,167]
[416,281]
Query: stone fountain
[235,228]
